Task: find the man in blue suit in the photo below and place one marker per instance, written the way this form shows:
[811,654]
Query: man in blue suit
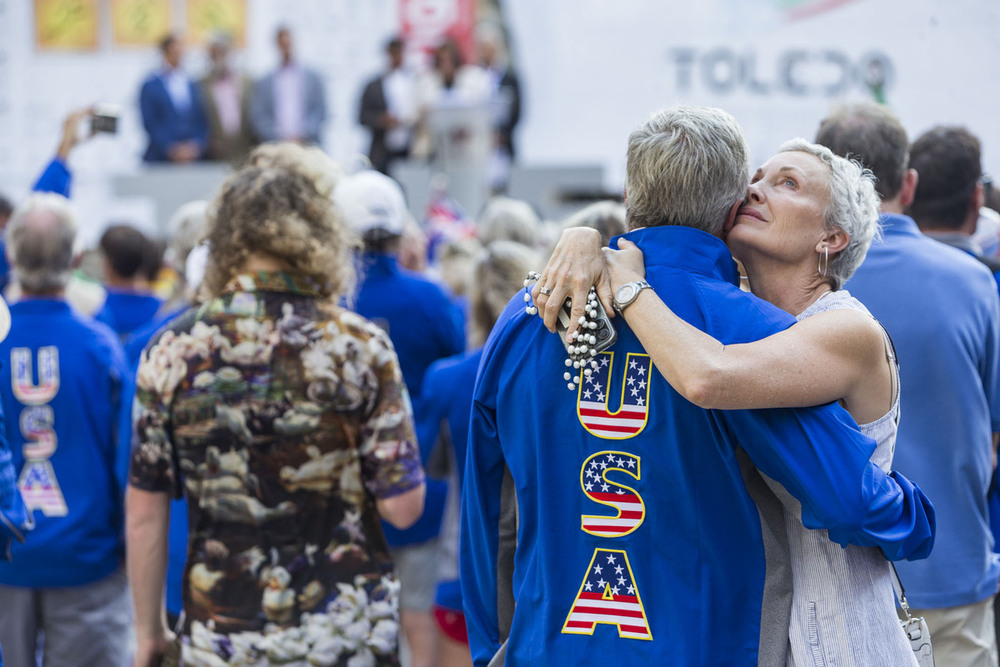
[172,110]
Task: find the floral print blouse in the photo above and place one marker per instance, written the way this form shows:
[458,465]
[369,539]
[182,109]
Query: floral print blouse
[281,417]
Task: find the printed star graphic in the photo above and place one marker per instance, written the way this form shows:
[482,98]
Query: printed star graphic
[632,365]
[605,487]
[635,392]
[600,396]
[640,402]
[631,590]
[630,381]
[621,580]
[620,492]
[619,569]
[642,370]
[611,558]
[587,394]
[620,462]
[604,361]
[601,583]
[589,486]
[597,569]
[603,465]
[587,586]
[614,591]
[642,384]
[611,458]
[631,463]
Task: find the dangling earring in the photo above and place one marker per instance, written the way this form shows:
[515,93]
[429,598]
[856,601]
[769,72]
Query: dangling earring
[824,262]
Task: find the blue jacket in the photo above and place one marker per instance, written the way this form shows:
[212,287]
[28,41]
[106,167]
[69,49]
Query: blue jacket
[424,326]
[940,306]
[65,384]
[638,539]
[127,312]
[166,125]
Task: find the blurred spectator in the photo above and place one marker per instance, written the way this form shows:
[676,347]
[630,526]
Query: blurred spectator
[510,220]
[289,104]
[127,254]
[948,367]
[173,112]
[424,326]
[456,259]
[451,84]
[389,109]
[498,273]
[227,104]
[505,100]
[607,217]
[65,585]
[287,428]
[950,193]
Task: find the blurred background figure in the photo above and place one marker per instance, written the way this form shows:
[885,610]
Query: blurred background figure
[290,438]
[389,109]
[497,274]
[607,217]
[226,94]
[505,100]
[129,256]
[65,589]
[172,109]
[289,104]
[509,220]
[424,326]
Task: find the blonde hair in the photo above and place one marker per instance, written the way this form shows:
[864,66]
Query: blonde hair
[278,213]
[497,277]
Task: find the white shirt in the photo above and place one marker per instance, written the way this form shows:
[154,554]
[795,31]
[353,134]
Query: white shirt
[400,89]
[176,83]
[289,103]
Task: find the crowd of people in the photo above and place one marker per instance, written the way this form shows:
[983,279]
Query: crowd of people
[304,428]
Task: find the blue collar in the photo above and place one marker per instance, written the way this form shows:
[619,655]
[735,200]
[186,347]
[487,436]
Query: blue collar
[39,305]
[374,263]
[896,224]
[684,248]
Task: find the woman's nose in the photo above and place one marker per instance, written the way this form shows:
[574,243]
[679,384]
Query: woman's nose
[754,194]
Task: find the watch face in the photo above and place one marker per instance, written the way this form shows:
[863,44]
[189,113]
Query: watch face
[625,293]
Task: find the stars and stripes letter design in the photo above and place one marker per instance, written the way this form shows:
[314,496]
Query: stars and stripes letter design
[25,389]
[40,489]
[595,392]
[630,510]
[608,595]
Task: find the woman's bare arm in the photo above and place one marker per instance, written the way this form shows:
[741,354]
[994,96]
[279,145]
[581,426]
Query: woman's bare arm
[824,358]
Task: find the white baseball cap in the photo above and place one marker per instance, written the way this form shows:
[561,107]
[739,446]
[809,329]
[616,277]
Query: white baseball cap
[371,201]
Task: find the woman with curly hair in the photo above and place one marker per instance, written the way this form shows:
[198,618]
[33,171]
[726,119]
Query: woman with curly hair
[284,420]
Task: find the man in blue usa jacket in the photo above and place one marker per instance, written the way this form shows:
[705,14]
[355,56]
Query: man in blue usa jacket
[645,535]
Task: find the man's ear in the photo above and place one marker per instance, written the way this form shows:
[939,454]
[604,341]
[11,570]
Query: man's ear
[731,218]
[909,187]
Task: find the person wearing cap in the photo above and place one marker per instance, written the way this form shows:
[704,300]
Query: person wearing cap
[424,326]
[66,389]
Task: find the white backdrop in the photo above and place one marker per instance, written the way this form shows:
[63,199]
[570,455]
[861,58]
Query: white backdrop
[591,69]
[594,69]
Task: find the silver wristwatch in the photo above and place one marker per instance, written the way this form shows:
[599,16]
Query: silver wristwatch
[628,293]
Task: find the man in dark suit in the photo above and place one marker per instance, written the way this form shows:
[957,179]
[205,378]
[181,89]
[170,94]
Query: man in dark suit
[226,93]
[289,104]
[505,100]
[172,110]
[388,109]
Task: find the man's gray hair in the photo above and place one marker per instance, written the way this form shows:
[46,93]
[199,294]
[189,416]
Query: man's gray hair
[506,219]
[853,207]
[40,239]
[686,166]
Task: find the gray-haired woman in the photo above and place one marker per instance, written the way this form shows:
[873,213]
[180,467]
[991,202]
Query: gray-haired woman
[804,227]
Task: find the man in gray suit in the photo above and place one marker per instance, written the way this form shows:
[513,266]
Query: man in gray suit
[289,104]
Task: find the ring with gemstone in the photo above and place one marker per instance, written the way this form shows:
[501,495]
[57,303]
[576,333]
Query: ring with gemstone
[545,290]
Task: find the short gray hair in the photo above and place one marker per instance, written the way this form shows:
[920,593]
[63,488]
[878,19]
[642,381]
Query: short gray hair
[40,238]
[853,207]
[607,217]
[505,219]
[686,166]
